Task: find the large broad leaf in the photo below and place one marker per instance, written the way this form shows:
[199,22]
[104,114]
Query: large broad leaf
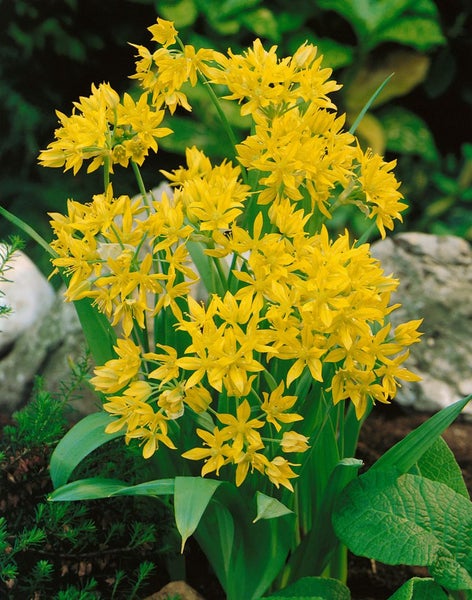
[313,588]
[95,488]
[415,31]
[367,16]
[406,133]
[439,464]
[418,588]
[191,497]
[87,435]
[410,520]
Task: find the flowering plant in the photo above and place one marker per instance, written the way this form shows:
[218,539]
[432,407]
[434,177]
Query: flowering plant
[235,340]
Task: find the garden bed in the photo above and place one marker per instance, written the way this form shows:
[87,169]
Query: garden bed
[367,580]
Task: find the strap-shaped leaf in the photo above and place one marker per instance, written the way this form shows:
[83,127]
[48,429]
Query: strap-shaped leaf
[95,488]
[191,497]
[87,435]
[409,450]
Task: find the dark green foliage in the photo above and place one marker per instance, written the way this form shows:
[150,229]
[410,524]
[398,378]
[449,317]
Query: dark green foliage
[115,548]
[42,43]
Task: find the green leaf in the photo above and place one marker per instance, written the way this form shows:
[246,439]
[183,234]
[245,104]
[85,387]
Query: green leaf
[368,104]
[315,550]
[418,588]
[227,527]
[87,435]
[439,464]
[409,520]
[95,488]
[87,489]
[313,588]
[262,22]
[409,450]
[418,32]
[99,334]
[191,497]
[269,508]
[367,16]
[182,12]
[406,133]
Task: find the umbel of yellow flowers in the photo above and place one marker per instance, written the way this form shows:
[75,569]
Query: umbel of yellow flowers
[296,316]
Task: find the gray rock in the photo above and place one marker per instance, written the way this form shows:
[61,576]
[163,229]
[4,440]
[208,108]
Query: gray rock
[28,293]
[435,274]
[47,348]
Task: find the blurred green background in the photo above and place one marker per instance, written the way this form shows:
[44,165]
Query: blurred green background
[52,50]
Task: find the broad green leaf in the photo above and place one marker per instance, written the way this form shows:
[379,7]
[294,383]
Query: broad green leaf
[409,450]
[367,16]
[94,488]
[87,489]
[417,32]
[313,588]
[406,133]
[262,22]
[439,464]
[191,497]
[85,437]
[418,588]
[269,508]
[409,520]
[182,12]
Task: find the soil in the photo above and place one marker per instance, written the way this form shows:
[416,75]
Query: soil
[368,580]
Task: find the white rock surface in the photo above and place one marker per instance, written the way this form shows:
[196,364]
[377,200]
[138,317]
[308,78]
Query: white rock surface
[435,274]
[29,295]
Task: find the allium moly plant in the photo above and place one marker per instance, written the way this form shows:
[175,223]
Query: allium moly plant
[236,341]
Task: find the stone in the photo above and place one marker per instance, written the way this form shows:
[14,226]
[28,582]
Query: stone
[46,349]
[176,589]
[435,274]
[27,292]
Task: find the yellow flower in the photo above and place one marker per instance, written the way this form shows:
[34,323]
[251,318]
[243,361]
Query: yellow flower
[163,32]
[239,429]
[381,190]
[279,472]
[275,405]
[218,453]
[294,442]
[116,373]
[171,401]
[250,458]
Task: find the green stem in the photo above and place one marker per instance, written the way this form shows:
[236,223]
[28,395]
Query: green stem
[28,230]
[139,179]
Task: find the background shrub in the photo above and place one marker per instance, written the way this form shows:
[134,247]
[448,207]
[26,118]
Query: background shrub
[50,53]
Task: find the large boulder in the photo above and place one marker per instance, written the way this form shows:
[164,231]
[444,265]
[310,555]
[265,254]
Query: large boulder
[435,274]
[27,292]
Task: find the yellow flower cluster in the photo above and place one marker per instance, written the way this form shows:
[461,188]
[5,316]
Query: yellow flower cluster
[106,130]
[290,314]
